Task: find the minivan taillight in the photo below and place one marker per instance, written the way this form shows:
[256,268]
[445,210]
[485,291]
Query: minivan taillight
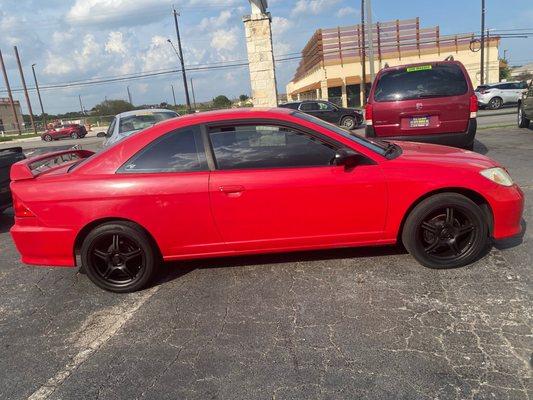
[368,114]
[473,106]
[21,211]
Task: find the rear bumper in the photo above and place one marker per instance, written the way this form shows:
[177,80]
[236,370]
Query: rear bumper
[43,245]
[507,207]
[460,139]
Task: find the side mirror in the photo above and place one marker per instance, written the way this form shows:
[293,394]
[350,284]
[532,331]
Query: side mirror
[348,158]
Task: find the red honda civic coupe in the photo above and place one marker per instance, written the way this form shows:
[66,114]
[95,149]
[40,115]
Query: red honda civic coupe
[254,181]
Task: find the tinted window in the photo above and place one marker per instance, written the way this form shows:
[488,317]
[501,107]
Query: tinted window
[311,106]
[142,121]
[293,106]
[178,151]
[325,107]
[421,82]
[506,86]
[265,146]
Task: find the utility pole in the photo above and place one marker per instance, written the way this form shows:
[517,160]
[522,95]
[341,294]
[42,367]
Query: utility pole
[129,94]
[39,95]
[370,39]
[173,95]
[81,105]
[193,96]
[6,80]
[482,69]
[180,56]
[363,52]
[25,90]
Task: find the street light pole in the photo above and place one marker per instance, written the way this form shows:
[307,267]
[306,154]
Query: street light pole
[173,95]
[482,67]
[370,39]
[81,105]
[193,96]
[180,56]
[39,95]
[129,94]
[363,52]
[28,102]
[6,80]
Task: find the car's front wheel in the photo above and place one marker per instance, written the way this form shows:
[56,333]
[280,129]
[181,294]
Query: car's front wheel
[447,230]
[523,121]
[119,257]
[348,123]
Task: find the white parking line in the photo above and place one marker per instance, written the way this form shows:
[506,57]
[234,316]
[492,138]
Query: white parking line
[96,330]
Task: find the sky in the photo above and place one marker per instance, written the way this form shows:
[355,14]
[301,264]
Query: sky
[79,40]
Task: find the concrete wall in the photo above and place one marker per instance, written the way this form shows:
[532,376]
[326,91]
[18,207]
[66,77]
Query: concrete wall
[6,116]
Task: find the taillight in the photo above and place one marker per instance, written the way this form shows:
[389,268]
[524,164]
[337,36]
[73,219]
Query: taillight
[473,106]
[368,114]
[21,211]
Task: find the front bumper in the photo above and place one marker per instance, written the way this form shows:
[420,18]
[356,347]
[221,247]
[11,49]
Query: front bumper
[507,205]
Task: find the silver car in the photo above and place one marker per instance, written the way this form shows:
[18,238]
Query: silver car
[126,123]
[494,96]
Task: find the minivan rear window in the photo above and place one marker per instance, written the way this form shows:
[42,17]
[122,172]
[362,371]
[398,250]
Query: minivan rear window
[437,80]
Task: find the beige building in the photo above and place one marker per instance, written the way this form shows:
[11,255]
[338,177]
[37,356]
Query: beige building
[331,66]
[7,121]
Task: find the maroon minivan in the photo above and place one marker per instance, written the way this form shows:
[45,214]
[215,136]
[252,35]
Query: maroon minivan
[430,102]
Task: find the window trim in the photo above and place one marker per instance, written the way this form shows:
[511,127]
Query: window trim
[272,122]
[201,147]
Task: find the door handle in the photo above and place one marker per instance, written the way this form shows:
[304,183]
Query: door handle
[231,189]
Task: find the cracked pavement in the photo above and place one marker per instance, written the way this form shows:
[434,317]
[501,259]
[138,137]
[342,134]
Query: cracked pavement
[342,324]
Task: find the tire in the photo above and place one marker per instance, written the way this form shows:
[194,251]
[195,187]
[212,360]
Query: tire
[119,257]
[495,103]
[48,138]
[523,122]
[439,238]
[348,123]
[74,135]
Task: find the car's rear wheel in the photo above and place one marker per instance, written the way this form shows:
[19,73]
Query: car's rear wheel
[119,257]
[74,135]
[348,123]
[495,103]
[48,138]
[446,230]
[523,122]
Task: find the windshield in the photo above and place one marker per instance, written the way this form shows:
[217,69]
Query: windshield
[145,120]
[420,82]
[376,146]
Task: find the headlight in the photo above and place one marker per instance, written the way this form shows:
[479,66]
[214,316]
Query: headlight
[498,175]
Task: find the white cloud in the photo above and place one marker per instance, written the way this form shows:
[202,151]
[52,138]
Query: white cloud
[280,25]
[115,43]
[225,39]
[159,55]
[346,11]
[216,22]
[314,7]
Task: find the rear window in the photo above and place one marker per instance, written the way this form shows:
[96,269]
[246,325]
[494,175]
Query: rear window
[145,120]
[419,82]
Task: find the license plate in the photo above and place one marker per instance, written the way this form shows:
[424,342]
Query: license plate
[418,122]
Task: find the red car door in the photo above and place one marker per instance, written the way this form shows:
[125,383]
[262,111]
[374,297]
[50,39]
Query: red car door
[275,188]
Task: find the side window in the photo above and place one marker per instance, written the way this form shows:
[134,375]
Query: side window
[111,128]
[325,107]
[268,146]
[310,106]
[177,151]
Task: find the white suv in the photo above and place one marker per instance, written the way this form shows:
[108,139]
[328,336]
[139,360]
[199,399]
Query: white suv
[494,96]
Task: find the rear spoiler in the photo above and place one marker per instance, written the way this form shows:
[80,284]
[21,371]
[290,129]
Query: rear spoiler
[31,167]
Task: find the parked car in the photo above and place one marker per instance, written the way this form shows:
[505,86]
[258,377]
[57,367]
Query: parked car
[249,181]
[71,131]
[430,102]
[126,123]
[525,107]
[7,158]
[496,95]
[348,118]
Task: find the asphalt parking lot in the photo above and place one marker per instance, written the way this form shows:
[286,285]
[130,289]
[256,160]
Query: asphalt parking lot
[365,323]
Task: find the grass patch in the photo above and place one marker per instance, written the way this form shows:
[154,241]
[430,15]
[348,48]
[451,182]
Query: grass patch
[11,138]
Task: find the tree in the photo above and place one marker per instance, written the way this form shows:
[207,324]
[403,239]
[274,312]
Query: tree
[505,71]
[112,107]
[525,76]
[243,97]
[221,102]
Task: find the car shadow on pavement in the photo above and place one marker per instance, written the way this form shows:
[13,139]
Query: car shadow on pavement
[6,221]
[174,270]
[480,147]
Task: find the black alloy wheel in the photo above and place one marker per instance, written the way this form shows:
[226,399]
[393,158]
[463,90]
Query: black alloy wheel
[445,231]
[119,257]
